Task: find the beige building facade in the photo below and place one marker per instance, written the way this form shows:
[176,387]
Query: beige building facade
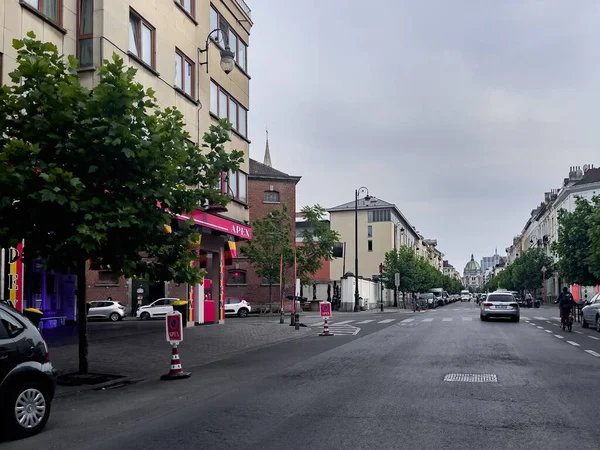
[381,228]
[176,47]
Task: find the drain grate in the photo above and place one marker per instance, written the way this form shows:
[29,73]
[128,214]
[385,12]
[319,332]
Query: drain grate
[472,377]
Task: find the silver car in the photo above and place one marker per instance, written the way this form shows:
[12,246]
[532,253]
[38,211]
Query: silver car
[591,313]
[106,309]
[500,304]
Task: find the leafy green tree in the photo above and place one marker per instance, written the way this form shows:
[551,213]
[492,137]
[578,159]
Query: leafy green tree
[97,175]
[525,273]
[576,252]
[402,261]
[318,240]
[270,245]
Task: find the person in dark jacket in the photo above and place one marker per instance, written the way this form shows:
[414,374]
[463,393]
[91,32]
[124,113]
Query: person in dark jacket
[565,304]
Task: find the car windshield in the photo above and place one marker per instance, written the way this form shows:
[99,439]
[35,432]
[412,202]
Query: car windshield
[500,298]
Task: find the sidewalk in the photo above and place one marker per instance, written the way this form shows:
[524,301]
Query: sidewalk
[142,356]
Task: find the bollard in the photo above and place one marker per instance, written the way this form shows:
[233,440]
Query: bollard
[297,320]
[281,319]
[326,329]
[176,372]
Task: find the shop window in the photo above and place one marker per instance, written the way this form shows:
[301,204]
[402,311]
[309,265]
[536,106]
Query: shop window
[271,197]
[106,277]
[236,278]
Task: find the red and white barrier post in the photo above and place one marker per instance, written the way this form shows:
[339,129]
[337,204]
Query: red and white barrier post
[174,337]
[325,308]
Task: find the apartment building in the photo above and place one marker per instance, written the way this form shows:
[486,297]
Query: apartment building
[194,55]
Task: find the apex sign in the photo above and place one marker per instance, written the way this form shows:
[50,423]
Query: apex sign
[241,231]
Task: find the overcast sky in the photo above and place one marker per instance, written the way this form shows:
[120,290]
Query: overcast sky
[461,112]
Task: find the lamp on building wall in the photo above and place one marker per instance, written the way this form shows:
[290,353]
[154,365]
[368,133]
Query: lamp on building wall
[357,192]
[227,56]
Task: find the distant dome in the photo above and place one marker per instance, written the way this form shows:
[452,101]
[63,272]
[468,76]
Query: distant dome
[472,265]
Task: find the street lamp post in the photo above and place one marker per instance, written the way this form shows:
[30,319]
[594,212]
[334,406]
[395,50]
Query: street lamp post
[367,197]
[227,56]
[544,285]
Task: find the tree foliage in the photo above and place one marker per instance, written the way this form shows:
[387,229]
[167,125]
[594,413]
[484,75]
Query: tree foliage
[525,273]
[578,244]
[416,274]
[318,240]
[96,175]
[271,243]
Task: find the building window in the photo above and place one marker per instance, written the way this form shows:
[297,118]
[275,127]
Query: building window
[237,185]
[224,106]
[188,5]
[184,73]
[85,31]
[271,197]
[236,278]
[141,39]
[369,231]
[235,43]
[370,245]
[49,8]
[379,215]
[105,277]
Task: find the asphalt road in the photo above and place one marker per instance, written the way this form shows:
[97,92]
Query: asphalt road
[382,388]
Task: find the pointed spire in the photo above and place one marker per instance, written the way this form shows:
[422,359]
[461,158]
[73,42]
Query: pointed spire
[267,160]
[472,257]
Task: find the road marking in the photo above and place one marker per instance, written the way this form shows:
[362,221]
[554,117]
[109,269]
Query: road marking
[547,321]
[472,377]
[593,353]
[531,323]
[467,318]
[539,318]
[541,328]
[559,336]
[573,343]
[594,338]
[407,320]
[548,331]
[386,321]
[456,309]
[556,318]
[578,332]
[429,319]
[344,322]
[364,321]
[447,319]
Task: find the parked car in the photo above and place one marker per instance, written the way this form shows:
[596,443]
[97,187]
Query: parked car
[428,299]
[157,309]
[465,296]
[500,304]
[27,377]
[237,306]
[591,313]
[106,309]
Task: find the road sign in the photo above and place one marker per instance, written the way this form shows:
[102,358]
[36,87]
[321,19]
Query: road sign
[325,308]
[174,327]
[397,279]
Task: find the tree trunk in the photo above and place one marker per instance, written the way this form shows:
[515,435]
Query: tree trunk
[395,297]
[82,317]
[270,297]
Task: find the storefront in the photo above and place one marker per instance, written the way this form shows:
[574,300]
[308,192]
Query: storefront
[218,239]
[31,286]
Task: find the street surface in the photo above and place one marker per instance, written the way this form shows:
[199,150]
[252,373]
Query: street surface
[520,385]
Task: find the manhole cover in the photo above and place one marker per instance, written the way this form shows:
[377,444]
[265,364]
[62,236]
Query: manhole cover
[472,377]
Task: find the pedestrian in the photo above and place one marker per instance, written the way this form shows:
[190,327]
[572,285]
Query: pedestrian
[565,303]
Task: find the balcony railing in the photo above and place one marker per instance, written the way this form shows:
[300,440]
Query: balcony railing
[242,4]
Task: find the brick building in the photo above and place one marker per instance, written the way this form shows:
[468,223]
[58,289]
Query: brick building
[268,189]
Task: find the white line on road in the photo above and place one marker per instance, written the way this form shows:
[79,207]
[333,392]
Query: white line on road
[578,332]
[429,319]
[456,309]
[594,338]
[547,321]
[344,322]
[593,353]
[407,320]
[548,331]
[447,319]
[556,318]
[539,318]
[386,321]
[541,328]
[573,343]
[467,318]
[559,336]
[364,321]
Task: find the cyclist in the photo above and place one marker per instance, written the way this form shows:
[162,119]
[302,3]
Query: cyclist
[565,303]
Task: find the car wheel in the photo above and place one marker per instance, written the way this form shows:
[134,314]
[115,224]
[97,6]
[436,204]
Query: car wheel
[114,317]
[145,316]
[516,319]
[482,317]
[584,324]
[243,312]
[27,409]
[597,323]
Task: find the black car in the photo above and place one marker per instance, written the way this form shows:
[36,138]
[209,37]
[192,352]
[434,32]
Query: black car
[27,377]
